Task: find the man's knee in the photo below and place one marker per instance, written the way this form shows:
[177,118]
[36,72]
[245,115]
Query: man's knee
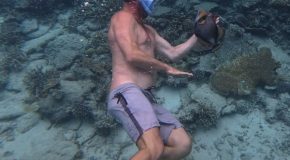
[185,145]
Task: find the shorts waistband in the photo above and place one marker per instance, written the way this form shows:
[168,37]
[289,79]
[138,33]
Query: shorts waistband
[121,88]
[147,92]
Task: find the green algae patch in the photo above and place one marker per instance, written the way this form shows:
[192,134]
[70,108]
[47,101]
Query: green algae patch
[245,73]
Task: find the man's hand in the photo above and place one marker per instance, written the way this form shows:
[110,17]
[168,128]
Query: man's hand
[175,72]
[201,45]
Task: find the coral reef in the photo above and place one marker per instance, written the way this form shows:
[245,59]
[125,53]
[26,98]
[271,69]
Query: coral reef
[198,116]
[263,18]
[97,61]
[12,60]
[59,112]
[82,109]
[63,50]
[104,123]
[41,6]
[3,79]
[205,117]
[39,83]
[280,87]
[98,11]
[10,32]
[99,44]
[197,112]
[244,106]
[100,67]
[236,43]
[280,3]
[283,114]
[96,65]
[176,82]
[242,75]
[201,75]
[174,29]
[285,145]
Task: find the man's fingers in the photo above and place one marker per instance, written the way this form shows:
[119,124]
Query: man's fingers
[189,74]
[186,74]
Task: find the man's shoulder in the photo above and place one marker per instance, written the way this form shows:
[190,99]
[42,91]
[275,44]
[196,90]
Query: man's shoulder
[152,30]
[122,15]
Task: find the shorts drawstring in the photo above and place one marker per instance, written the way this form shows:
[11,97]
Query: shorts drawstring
[123,101]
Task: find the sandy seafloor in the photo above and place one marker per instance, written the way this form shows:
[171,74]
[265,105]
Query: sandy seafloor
[235,137]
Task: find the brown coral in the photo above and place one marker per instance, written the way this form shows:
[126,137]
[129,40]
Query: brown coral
[39,83]
[243,74]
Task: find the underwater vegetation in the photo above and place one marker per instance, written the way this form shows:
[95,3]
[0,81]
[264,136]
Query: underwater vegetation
[11,61]
[39,83]
[10,32]
[205,117]
[245,73]
[263,18]
[202,116]
[41,6]
[98,11]
[285,145]
[99,66]
[61,112]
[98,44]
[280,3]
[82,109]
[104,123]
[173,29]
[61,100]
[283,114]
[3,79]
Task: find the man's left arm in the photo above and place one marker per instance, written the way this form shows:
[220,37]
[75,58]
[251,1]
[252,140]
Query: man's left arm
[176,52]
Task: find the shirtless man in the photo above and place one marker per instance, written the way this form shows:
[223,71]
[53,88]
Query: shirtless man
[156,132]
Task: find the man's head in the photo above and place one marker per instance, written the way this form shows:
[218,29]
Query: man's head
[141,7]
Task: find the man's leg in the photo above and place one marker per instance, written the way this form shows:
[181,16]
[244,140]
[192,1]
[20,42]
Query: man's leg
[179,145]
[150,145]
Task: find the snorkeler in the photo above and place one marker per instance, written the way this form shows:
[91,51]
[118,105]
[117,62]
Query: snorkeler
[156,132]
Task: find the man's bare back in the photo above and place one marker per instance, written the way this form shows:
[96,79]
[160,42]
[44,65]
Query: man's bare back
[123,71]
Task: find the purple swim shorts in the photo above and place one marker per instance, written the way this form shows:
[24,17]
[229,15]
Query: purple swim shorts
[136,110]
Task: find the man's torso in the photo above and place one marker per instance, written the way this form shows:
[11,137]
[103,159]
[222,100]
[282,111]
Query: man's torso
[122,71]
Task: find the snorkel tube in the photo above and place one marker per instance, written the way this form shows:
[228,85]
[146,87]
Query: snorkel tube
[148,6]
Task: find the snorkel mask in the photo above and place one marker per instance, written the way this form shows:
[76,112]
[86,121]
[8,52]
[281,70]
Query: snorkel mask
[148,6]
[207,30]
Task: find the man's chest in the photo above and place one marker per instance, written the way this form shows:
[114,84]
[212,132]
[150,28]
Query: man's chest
[145,39]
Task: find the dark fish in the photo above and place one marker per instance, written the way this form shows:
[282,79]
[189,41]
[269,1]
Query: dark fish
[205,27]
